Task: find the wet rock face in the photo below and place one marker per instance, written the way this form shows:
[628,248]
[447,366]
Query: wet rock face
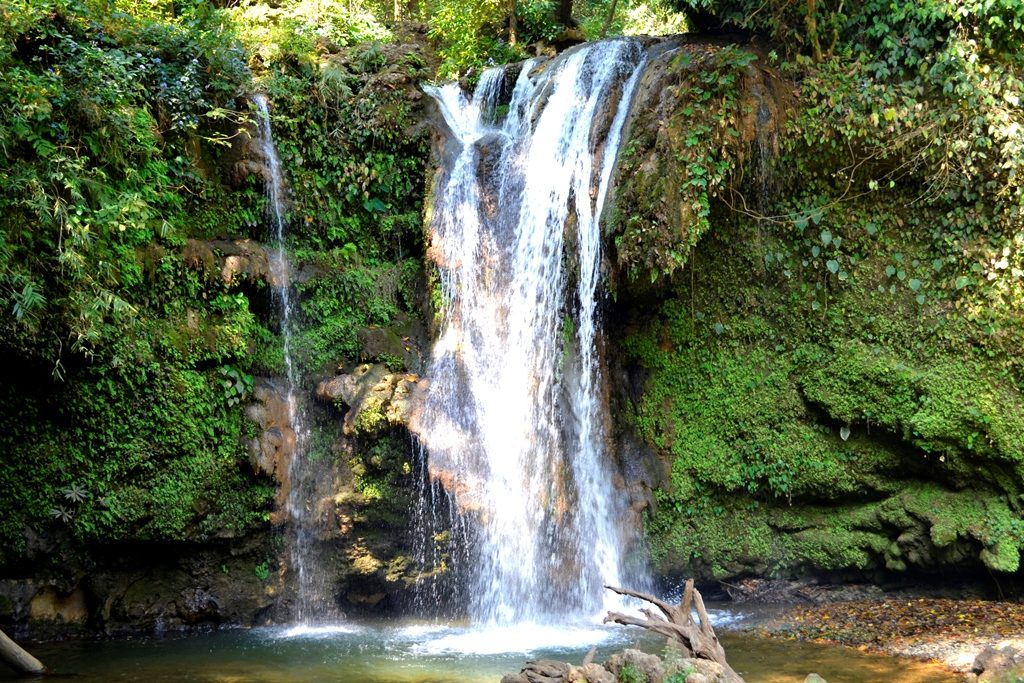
[247,158]
[131,591]
[273,447]
[403,341]
[51,604]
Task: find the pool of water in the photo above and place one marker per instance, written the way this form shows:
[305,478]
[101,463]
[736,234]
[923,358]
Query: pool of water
[405,652]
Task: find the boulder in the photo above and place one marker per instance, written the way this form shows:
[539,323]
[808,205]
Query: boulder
[710,671]
[648,665]
[402,340]
[590,673]
[376,398]
[999,664]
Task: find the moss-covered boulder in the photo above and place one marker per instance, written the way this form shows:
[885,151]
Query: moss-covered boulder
[833,380]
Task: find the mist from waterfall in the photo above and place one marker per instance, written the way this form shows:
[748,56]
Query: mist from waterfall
[515,424]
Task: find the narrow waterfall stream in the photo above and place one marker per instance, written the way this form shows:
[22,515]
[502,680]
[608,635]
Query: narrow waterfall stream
[515,421]
[311,605]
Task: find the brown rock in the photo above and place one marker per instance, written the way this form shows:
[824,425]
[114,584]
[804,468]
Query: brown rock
[999,664]
[50,604]
[376,399]
[231,260]
[590,673]
[403,339]
[272,449]
[546,671]
[649,665]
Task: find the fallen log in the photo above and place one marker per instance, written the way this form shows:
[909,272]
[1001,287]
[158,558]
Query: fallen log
[697,638]
[18,659]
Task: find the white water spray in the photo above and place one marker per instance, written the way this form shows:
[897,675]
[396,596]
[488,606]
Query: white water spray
[515,421]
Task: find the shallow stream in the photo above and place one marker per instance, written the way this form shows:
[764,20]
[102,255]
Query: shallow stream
[406,652]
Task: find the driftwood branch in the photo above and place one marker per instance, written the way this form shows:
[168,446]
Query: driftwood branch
[697,638]
[18,659]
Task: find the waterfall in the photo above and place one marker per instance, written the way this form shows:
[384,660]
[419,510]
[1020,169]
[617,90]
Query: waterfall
[515,419]
[302,476]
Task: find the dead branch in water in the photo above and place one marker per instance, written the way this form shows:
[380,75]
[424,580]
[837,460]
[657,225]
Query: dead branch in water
[18,659]
[697,638]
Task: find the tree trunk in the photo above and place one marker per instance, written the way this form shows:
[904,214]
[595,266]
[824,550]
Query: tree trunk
[563,13]
[608,18]
[697,639]
[812,30]
[513,24]
[15,657]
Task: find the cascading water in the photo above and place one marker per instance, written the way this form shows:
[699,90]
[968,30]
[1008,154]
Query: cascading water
[302,474]
[514,423]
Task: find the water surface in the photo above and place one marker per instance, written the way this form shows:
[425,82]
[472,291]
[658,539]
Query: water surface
[396,652]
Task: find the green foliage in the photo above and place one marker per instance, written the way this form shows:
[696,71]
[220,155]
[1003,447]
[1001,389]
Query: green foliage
[780,391]
[355,165]
[344,126]
[834,346]
[466,32]
[114,117]
[339,305]
[687,168]
[92,101]
[382,477]
[536,21]
[851,329]
[681,675]
[236,384]
[293,32]
[153,453]
[632,18]
[630,673]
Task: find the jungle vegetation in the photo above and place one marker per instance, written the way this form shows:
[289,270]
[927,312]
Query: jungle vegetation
[127,365]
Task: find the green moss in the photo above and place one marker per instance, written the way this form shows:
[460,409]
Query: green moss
[944,407]
[855,383]
[816,423]
[734,419]
[921,526]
